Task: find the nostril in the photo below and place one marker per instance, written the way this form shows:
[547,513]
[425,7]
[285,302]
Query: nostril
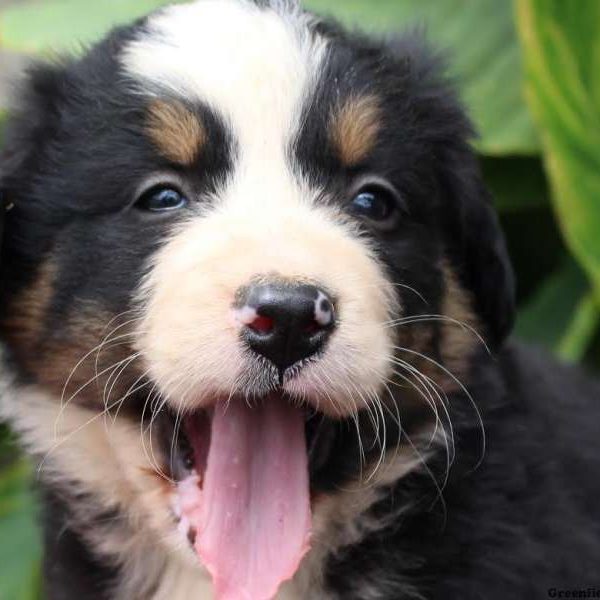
[261,324]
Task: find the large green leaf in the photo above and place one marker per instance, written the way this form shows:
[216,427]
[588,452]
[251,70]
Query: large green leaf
[578,337]
[561,42]
[480,36]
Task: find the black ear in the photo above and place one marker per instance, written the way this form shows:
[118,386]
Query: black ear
[32,120]
[476,242]
[31,127]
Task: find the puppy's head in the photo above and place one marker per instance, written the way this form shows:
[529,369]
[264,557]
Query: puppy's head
[233,206]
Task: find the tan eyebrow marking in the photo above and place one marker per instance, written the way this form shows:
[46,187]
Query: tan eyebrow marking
[178,134]
[355,127]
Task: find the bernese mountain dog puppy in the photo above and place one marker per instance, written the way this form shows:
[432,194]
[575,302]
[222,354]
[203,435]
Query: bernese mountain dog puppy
[254,310]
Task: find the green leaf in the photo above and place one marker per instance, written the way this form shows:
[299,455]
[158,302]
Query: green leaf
[20,550]
[580,333]
[480,37]
[561,42]
[561,316]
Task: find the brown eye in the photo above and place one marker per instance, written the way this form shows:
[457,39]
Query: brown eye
[162,199]
[381,206]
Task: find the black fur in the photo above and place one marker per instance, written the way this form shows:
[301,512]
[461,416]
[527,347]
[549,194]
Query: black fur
[517,516]
[522,522]
[70,569]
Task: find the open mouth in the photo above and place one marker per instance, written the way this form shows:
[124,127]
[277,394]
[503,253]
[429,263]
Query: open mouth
[243,473]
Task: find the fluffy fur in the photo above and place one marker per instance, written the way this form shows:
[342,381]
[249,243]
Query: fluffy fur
[445,461]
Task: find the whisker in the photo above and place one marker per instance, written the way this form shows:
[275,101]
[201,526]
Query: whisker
[464,390]
[426,393]
[150,456]
[383,443]
[133,389]
[116,374]
[59,442]
[410,320]
[430,384]
[64,406]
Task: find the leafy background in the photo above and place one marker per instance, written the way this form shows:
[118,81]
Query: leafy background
[529,72]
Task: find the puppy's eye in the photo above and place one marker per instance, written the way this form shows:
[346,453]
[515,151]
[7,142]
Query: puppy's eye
[379,205]
[161,199]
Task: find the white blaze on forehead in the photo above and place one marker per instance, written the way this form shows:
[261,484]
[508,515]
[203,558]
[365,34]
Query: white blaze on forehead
[254,66]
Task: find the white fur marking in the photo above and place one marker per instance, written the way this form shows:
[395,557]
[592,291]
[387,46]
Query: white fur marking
[244,316]
[255,67]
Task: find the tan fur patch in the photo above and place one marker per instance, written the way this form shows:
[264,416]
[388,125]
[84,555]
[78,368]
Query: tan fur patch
[178,134]
[24,326]
[84,363]
[460,332]
[460,335]
[355,127]
[90,352]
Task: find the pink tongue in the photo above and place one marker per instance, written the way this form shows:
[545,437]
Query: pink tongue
[253,522]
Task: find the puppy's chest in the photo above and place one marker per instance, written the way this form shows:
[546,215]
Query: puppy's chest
[182,582]
[201,589]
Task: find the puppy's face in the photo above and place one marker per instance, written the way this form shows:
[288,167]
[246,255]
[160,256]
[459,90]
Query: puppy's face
[232,204]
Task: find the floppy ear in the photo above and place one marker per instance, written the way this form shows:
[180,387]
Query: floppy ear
[476,242]
[33,117]
[30,128]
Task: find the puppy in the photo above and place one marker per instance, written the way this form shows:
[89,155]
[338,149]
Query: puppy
[254,310]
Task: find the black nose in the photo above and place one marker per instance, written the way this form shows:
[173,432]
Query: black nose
[286,323]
